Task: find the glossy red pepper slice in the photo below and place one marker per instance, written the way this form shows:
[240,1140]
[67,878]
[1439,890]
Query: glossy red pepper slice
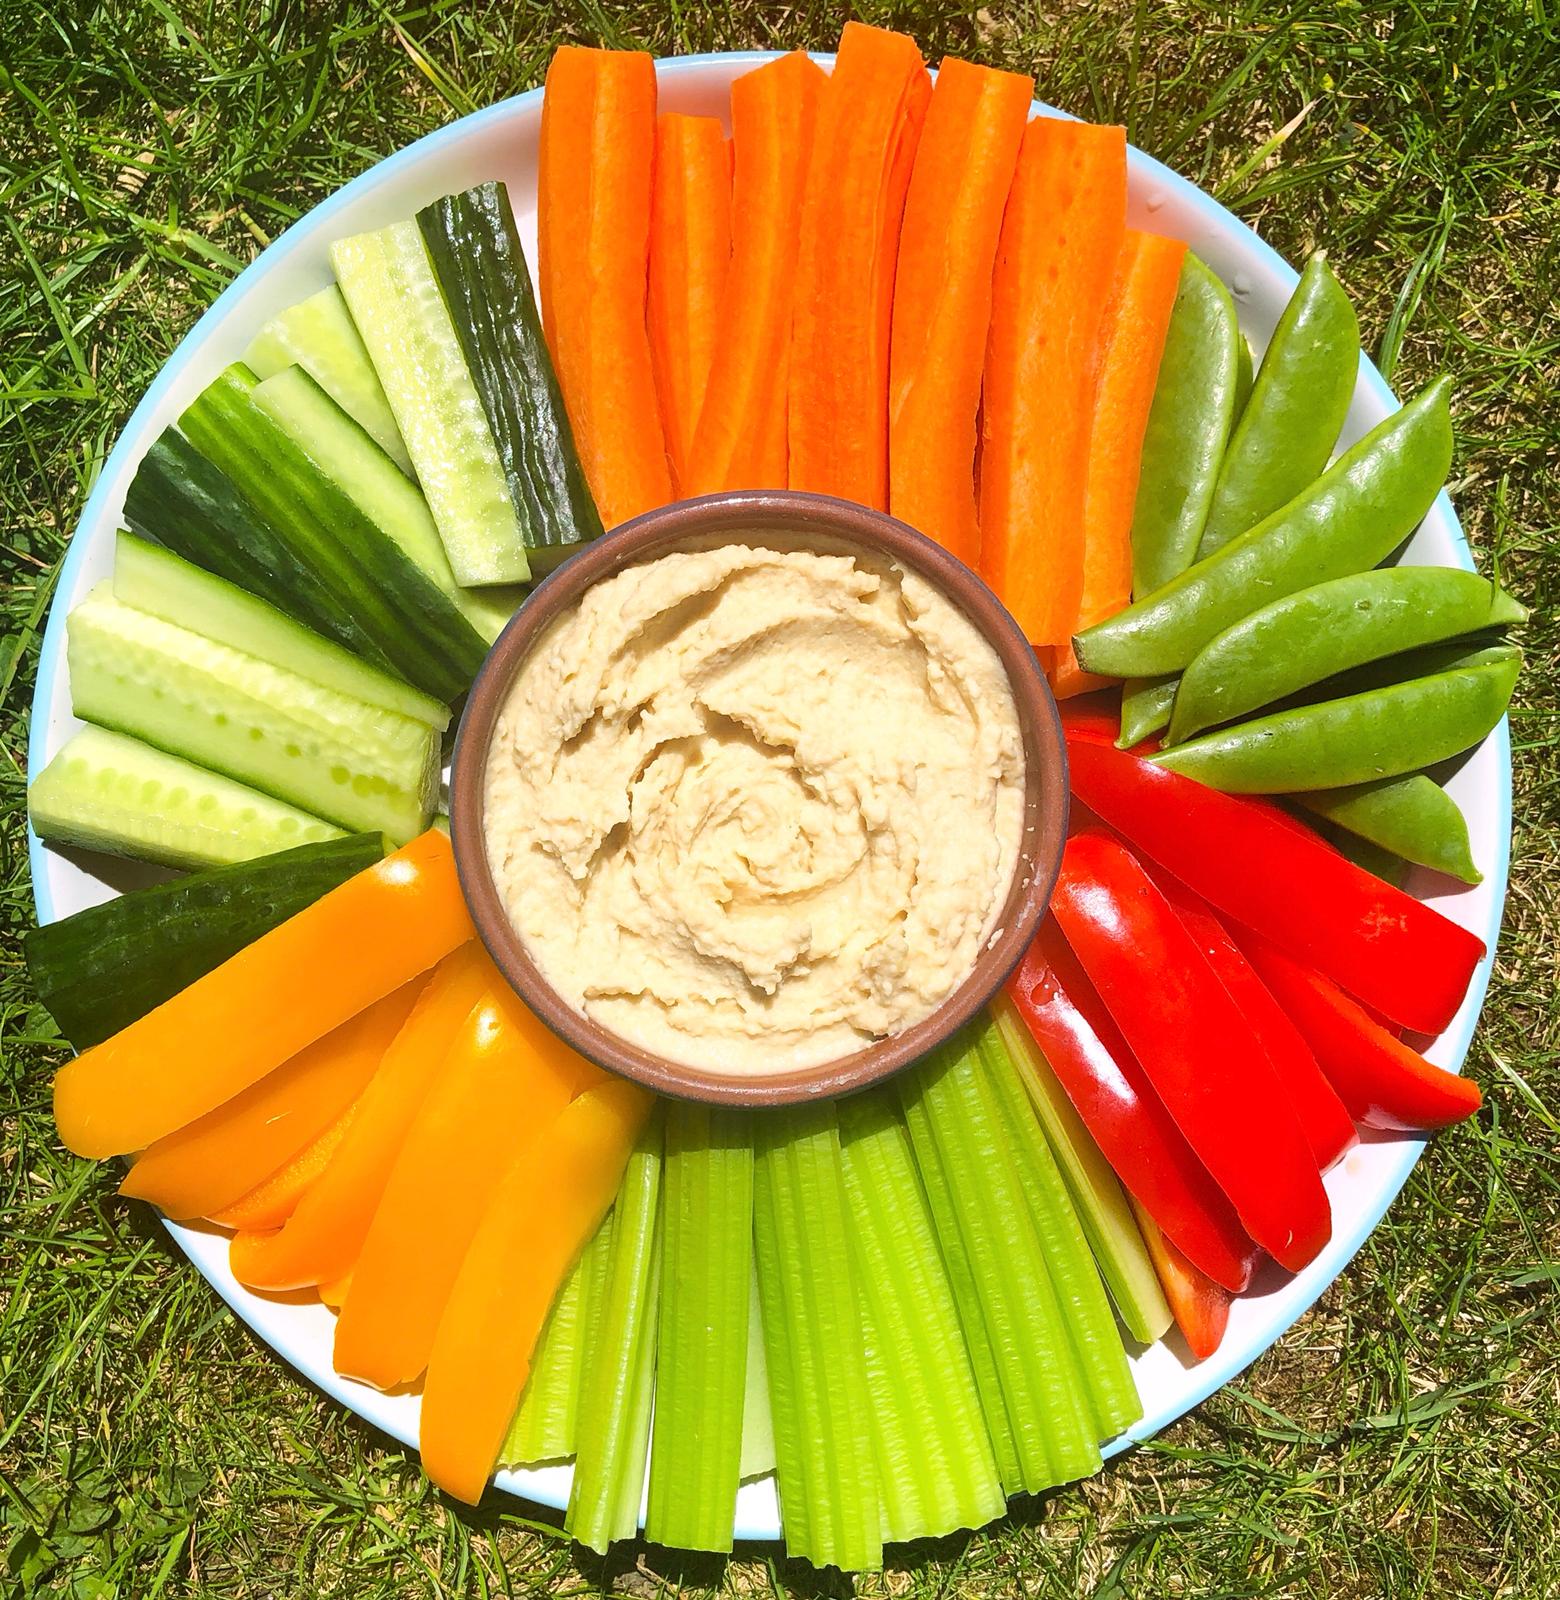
[1119,1106]
[1192,1040]
[1200,1306]
[1380,1079]
[1381,945]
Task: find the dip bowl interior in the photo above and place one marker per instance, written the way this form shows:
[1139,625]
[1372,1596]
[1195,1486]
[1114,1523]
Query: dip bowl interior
[781,520]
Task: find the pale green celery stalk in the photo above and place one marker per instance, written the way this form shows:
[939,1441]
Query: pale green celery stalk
[818,1392]
[1086,1313]
[617,1385]
[1096,1194]
[966,1297]
[935,1462]
[1047,1399]
[758,1426]
[701,1349]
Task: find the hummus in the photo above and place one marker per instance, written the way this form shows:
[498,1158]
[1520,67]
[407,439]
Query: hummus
[753,809]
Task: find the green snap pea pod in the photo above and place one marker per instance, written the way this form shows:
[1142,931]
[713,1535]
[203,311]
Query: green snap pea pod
[1298,403]
[1378,734]
[1145,708]
[1243,377]
[1318,632]
[1412,816]
[1363,853]
[1366,503]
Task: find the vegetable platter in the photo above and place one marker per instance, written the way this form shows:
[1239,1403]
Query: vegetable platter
[502,143]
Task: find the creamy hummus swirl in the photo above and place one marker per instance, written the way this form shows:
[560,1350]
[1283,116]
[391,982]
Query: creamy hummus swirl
[755,809]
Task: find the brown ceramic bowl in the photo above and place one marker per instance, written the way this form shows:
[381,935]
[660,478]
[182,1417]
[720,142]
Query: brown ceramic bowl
[779,520]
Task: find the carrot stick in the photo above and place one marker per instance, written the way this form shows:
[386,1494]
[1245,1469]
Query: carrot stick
[868,126]
[942,297]
[740,440]
[1065,220]
[1137,319]
[690,252]
[493,1103]
[243,1019]
[213,1161]
[270,1203]
[322,1238]
[551,1201]
[593,229]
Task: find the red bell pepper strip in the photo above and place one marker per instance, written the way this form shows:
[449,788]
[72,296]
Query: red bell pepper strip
[1382,1082]
[1197,1048]
[1119,1106]
[1381,945]
[1200,1306]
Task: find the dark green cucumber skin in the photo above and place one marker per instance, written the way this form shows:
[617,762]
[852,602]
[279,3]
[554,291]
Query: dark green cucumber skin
[180,499]
[415,627]
[480,268]
[102,969]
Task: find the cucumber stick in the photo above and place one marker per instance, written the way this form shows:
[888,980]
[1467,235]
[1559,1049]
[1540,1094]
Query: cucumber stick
[319,335]
[1096,1193]
[818,1392]
[356,765]
[935,1462]
[104,791]
[474,248]
[105,967]
[399,309]
[383,493]
[165,585]
[701,1349]
[617,1378]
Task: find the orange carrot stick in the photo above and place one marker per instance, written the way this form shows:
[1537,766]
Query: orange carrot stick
[1065,220]
[551,1201]
[323,1236]
[243,1019]
[1137,319]
[959,185]
[690,251]
[593,229]
[868,127]
[270,1203]
[213,1161]
[494,1100]
[740,440]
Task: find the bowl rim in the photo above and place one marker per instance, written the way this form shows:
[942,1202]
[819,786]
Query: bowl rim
[793,519]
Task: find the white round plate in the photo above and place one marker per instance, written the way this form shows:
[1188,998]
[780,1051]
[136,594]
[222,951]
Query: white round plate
[501,142]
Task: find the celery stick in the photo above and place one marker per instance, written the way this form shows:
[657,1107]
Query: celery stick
[701,1349]
[618,1381]
[758,1426]
[1086,1313]
[1097,1195]
[961,1277]
[935,1462]
[1047,1400]
[812,1338]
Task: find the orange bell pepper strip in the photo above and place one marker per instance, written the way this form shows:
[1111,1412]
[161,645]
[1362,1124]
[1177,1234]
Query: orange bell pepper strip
[322,1237]
[1061,235]
[262,1006]
[334,1294]
[269,1204]
[869,124]
[503,1083]
[593,232]
[690,253]
[1200,1306]
[1137,320]
[220,1157]
[942,297]
[740,441]
[551,1201]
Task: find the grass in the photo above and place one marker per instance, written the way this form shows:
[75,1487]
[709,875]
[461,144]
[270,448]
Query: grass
[1400,1441]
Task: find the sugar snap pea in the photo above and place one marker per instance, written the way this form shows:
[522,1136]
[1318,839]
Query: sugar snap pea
[1329,628]
[1145,708]
[1349,519]
[1290,424]
[1412,816]
[1363,853]
[1380,733]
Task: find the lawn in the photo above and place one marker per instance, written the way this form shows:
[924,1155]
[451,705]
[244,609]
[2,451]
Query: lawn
[1402,1440]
